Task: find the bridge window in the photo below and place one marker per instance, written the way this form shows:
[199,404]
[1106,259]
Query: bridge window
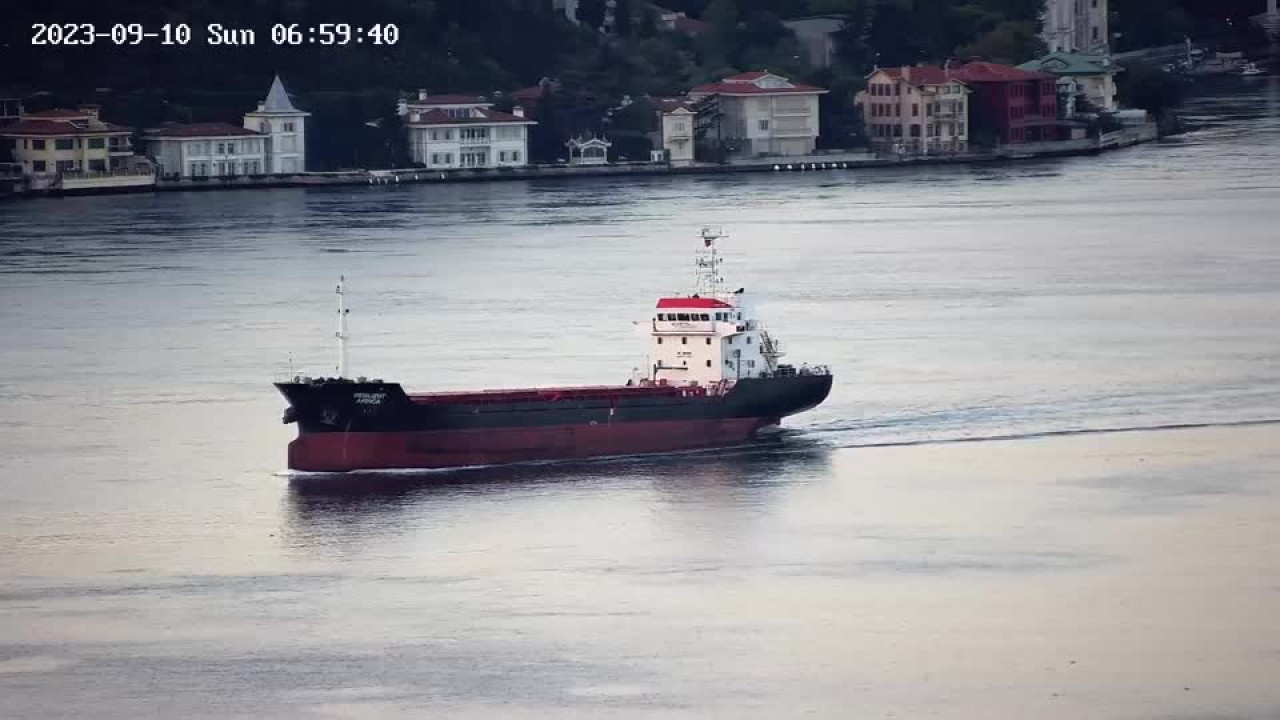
[683,316]
[684,341]
[662,316]
[748,339]
[706,316]
[708,363]
[708,341]
[659,341]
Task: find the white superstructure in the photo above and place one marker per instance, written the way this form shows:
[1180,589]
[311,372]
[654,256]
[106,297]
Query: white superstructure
[711,336]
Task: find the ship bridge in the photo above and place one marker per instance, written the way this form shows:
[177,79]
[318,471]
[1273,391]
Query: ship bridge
[709,336]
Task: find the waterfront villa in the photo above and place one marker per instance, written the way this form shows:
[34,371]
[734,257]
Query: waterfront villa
[73,150]
[676,117]
[450,132]
[284,127]
[1009,105]
[915,110]
[209,149]
[1090,76]
[760,113]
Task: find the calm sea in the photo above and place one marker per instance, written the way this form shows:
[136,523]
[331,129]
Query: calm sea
[992,516]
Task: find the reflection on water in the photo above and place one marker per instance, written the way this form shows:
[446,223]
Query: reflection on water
[321,507]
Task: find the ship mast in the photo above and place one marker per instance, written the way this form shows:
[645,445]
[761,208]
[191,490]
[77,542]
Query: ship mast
[708,282]
[341,334]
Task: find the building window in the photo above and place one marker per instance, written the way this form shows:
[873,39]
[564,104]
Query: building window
[515,156]
[915,131]
[97,143]
[38,166]
[98,165]
[63,144]
[66,165]
[915,110]
[708,363]
[659,341]
[748,339]
[288,127]
[897,89]
[37,144]
[764,124]
[684,341]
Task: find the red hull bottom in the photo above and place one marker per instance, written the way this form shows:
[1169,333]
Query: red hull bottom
[339,452]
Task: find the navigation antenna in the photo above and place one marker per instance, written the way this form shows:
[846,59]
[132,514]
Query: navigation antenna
[342,328]
[709,283]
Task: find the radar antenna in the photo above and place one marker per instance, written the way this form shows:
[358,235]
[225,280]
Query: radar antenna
[708,281]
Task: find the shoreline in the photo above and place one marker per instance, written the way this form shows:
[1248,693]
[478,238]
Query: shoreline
[1127,137]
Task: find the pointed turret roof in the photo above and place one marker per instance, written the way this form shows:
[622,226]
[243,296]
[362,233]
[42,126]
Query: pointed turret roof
[277,102]
[278,98]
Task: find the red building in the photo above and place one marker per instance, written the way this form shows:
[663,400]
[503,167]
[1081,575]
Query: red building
[1009,105]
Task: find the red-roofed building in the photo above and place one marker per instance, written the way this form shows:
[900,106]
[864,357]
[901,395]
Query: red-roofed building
[207,149]
[915,110]
[764,114]
[464,131]
[62,140]
[1010,105]
[75,151]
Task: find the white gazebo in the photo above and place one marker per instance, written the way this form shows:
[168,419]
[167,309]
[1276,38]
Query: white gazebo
[589,151]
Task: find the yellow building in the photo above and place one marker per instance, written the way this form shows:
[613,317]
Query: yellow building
[74,150]
[915,110]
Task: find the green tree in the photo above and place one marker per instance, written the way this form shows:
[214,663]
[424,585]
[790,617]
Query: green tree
[622,18]
[591,13]
[1012,42]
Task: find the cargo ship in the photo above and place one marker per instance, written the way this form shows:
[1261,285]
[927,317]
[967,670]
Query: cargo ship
[714,379]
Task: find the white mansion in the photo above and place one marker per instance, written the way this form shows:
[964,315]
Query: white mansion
[463,131]
[272,141]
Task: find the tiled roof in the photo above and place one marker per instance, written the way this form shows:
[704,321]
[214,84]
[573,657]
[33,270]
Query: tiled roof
[977,72]
[746,88]
[485,117]
[922,75]
[671,104]
[38,126]
[451,100]
[746,77]
[204,129]
[1065,63]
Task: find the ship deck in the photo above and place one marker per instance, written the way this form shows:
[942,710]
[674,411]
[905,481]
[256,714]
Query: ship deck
[556,394]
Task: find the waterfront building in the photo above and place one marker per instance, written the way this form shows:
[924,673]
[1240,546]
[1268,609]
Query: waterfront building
[210,149]
[763,114]
[464,131]
[1009,105]
[818,36]
[588,151]
[915,110]
[284,127]
[1076,26]
[676,118]
[1092,77]
[74,150]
